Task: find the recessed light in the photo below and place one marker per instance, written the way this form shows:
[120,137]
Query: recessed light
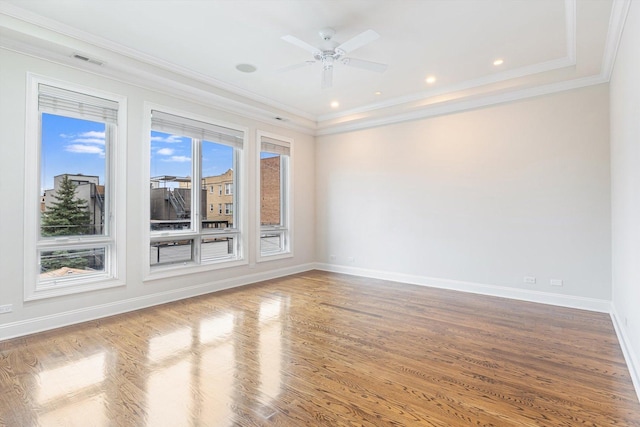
[377,93]
[335,104]
[246,68]
[498,62]
[430,80]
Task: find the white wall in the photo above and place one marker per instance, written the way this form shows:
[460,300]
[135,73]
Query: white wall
[27,317]
[477,198]
[625,195]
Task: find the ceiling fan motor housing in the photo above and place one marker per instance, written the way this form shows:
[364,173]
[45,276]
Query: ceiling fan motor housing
[327,33]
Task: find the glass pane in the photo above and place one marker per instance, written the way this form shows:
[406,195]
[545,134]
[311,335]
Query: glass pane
[215,248]
[217,185]
[270,189]
[272,242]
[71,262]
[72,176]
[171,160]
[170,252]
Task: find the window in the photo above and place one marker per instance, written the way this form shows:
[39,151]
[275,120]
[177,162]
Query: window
[187,158]
[274,195]
[75,191]
[228,189]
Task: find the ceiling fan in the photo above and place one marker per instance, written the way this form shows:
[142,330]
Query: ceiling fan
[330,53]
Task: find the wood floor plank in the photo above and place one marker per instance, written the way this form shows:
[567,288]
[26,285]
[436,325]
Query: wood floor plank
[324,349]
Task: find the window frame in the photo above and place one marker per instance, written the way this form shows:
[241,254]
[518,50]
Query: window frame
[285,229]
[114,238]
[196,232]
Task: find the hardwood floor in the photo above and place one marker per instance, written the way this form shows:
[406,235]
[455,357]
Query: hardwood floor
[319,349]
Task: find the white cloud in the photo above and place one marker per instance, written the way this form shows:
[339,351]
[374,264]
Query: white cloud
[84,149]
[179,159]
[169,139]
[166,151]
[92,134]
[90,137]
[89,141]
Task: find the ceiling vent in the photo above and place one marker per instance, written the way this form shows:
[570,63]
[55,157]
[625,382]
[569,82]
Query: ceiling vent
[85,58]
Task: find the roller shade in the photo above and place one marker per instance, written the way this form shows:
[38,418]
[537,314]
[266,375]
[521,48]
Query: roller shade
[275,146]
[182,126]
[61,101]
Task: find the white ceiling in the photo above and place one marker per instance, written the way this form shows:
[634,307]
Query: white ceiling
[546,45]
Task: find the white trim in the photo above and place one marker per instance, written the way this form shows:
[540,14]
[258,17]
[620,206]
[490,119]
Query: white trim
[591,304]
[128,71]
[569,60]
[570,29]
[127,52]
[241,196]
[570,301]
[260,257]
[464,104]
[633,362]
[116,174]
[465,85]
[44,323]
[617,19]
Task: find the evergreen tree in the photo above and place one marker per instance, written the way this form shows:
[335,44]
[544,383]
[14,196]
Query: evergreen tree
[68,215]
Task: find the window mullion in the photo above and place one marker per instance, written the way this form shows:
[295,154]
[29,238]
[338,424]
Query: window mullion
[213,163]
[196,183]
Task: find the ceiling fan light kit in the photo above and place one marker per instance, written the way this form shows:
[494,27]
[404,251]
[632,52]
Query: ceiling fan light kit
[331,52]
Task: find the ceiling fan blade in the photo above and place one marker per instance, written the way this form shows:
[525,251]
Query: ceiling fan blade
[306,46]
[358,41]
[365,65]
[327,77]
[295,66]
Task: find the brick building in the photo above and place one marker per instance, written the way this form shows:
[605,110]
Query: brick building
[270,191]
[171,206]
[219,200]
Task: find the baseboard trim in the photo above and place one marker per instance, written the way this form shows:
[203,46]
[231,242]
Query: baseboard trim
[633,363]
[570,301]
[71,317]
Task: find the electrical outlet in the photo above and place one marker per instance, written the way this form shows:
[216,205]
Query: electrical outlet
[556,282]
[351,259]
[332,257]
[529,279]
[7,308]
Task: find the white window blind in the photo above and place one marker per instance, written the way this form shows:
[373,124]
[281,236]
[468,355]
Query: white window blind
[79,105]
[182,126]
[275,146]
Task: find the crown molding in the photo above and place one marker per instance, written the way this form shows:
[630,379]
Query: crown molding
[617,19]
[124,65]
[569,60]
[462,104]
[127,52]
[129,72]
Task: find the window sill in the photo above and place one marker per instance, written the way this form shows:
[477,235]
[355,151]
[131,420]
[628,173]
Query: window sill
[274,257]
[71,288]
[169,271]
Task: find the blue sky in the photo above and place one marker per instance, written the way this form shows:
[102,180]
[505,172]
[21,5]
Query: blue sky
[77,146]
[71,146]
[172,155]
